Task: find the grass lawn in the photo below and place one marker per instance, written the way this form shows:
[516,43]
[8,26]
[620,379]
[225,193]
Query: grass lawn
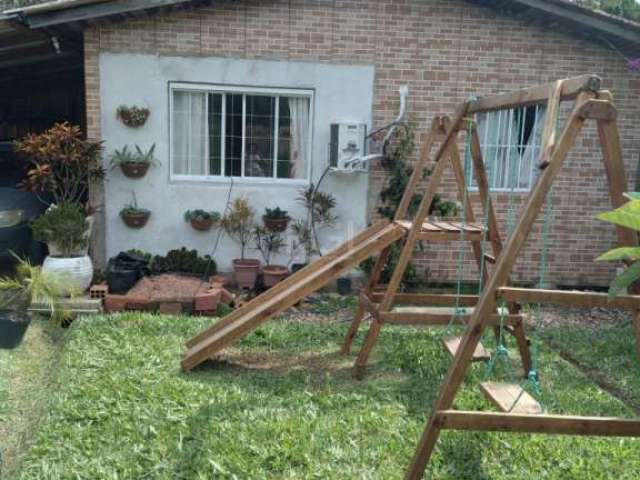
[24,374]
[284,405]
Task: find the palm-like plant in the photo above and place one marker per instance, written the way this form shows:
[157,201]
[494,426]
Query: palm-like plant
[626,216]
[31,284]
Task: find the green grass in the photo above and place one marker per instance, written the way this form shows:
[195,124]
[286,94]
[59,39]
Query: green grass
[283,405]
[23,389]
[607,353]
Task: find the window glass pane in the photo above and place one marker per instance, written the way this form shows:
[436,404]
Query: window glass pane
[215,134]
[294,128]
[233,140]
[189,133]
[260,118]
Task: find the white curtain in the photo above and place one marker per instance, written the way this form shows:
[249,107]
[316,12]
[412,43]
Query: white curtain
[189,133]
[508,155]
[299,110]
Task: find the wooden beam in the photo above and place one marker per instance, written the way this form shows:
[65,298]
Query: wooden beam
[571,88]
[568,298]
[417,318]
[428,299]
[598,110]
[524,423]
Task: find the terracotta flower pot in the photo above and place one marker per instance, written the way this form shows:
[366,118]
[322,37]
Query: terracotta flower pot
[134,169]
[201,224]
[272,274]
[275,224]
[246,272]
[137,219]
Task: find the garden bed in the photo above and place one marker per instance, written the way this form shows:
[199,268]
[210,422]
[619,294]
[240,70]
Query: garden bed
[282,404]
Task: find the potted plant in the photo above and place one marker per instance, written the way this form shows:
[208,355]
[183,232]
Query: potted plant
[133,216]
[269,243]
[319,206]
[133,116]
[30,283]
[201,220]
[64,228]
[238,223]
[133,164]
[276,219]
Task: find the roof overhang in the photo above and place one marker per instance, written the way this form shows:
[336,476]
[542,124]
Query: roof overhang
[578,20]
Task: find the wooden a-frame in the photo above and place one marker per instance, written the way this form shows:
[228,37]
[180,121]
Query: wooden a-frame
[591,103]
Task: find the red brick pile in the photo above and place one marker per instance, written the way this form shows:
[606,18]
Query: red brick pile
[172,294]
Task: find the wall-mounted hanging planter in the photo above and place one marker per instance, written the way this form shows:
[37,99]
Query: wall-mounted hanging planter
[133,116]
[202,220]
[133,164]
[135,217]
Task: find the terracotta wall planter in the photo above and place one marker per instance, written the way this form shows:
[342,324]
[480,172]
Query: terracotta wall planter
[272,274]
[136,219]
[275,224]
[201,224]
[134,169]
[246,272]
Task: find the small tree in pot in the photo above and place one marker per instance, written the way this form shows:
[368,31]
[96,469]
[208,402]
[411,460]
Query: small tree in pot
[30,283]
[238,223]
[270,243]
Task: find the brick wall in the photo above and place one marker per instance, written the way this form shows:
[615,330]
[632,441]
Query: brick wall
[445,51]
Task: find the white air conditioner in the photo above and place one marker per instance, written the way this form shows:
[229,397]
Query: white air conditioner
[347,144]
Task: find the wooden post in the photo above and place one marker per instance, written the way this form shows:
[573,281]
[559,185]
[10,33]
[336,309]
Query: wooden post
[487,302]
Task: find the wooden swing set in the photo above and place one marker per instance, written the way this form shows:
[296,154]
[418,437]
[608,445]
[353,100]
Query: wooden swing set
[518,411]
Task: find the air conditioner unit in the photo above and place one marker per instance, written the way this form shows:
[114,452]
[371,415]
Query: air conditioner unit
[347,144]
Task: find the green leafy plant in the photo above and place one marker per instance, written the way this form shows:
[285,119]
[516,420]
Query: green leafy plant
[65,225]
[238,223]
[132,208]
[31,284]
[184,261]
[276,213]
[267,242]
[139,156]
[199,214]
[319,207]
[626,216]
[61,162]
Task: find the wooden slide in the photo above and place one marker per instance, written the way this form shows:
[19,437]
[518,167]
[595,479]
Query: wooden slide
[290,291]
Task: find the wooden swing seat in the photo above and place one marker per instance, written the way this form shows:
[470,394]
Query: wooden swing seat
[510,398]
[480,354]
[447,231]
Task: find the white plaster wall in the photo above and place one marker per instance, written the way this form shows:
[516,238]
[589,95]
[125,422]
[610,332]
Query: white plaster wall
[342,93]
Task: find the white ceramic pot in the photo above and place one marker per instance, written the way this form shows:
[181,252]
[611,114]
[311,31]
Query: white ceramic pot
[78,271]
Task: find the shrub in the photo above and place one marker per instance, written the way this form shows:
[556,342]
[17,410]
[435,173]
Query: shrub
[184,261]
[61,162]
[64,224]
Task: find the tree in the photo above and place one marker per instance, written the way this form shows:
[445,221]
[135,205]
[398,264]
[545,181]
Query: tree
[629,9]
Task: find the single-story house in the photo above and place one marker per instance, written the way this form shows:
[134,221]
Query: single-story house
[243,93]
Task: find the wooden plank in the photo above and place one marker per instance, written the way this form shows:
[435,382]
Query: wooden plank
[428,299]
[548,142]
[510,398]
[572,87]
[549,424]
[568,298]
[480,354]
[451,236]
[369,306]
[287,282]
[487,303]
[263,310]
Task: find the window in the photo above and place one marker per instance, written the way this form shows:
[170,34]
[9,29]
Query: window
[510,142]
[251,133]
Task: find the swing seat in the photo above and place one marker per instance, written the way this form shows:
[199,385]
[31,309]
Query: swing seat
[447,231]
[480,354]
[510,398]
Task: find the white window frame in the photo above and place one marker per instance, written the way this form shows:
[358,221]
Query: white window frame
[533,177]
[245,90]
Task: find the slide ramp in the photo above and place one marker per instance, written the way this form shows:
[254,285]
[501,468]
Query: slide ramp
[290,291]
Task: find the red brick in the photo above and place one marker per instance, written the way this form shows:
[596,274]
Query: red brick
[115,303]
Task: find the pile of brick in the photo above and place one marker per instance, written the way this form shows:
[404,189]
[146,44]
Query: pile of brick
[170,294]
